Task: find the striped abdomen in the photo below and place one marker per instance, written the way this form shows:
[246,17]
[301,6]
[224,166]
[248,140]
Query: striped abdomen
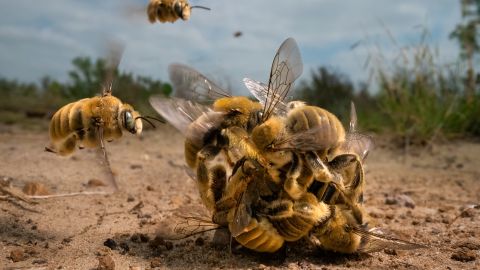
[260,236]
[330,130]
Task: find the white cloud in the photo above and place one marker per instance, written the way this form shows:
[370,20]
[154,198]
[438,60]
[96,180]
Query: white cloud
[41,39]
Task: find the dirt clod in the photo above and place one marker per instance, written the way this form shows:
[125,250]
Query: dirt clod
[463,255]
[17,255]
[168,245]
[106,262]
[110,243]
[95,183]
[199,241]
[35,188]
[390,251]
[155,263]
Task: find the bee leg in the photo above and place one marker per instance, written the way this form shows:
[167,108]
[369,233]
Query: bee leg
[320,170]
[105,157]
[211,184]
[277,209]
[238,137]
[297,181]
[50,150]
[350,166]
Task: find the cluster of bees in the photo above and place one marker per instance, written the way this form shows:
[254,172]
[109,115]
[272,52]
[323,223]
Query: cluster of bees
[269,170]
[273,171]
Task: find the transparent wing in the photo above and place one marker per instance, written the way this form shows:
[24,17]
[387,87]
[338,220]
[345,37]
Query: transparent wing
[374,240]
[192,119]
[192,85]
[178,112]
[360,144]
[114,56]
[308,140]
[186,222]
[260,90]
[355,142]
[287,66]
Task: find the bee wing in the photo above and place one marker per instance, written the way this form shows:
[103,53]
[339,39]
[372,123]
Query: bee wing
[357,143]
[241,218]
[192,85]
[114,56]
[374,240]
[260,90]
[188,221]
[308,140]
[178,112]
[287,66]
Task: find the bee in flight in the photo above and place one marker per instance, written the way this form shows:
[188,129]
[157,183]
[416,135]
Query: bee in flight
[169,10]
[90,122]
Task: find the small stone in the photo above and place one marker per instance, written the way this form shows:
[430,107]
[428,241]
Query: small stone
[168,245]
[124,248]
[428,219]
[390,251]
[155,263]
[156,242]
[110,243]
[390,201]
[40,261]
[199,241]
[415,222]
[95,183]
[35,189]
[463,255]
[150,188]
[135,166]
[17,255]
[144,238]
[130,198]
[66,240]
[106,263]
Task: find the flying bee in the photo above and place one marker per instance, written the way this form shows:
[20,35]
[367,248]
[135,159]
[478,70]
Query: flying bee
[90,121]
[169,10]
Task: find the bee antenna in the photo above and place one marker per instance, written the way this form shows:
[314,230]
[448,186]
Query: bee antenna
[202,7]
[156,119]
[146,120]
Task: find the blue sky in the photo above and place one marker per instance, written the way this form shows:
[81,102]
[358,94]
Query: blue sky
[40,38]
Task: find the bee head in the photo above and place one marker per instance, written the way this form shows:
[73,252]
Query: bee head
[182,10]
[131,120]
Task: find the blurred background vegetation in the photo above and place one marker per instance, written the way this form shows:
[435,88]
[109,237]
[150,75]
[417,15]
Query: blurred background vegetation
[412,98]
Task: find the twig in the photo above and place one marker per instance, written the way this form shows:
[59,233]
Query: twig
[70,194]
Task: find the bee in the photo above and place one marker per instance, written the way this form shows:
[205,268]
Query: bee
[226,125]
[91,121]
[341,233]
[169,10]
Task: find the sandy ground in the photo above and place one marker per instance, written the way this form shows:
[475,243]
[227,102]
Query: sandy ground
[415,196]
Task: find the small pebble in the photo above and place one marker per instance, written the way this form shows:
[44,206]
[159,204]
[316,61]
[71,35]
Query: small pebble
[95,183]
[110,243]
[106,263]
[199,241]
[463,255]
[17,255]
[155,263]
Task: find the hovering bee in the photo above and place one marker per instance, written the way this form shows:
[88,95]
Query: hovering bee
[90,121]
[169,10]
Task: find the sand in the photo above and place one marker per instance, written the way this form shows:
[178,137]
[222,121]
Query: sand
[415,196]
